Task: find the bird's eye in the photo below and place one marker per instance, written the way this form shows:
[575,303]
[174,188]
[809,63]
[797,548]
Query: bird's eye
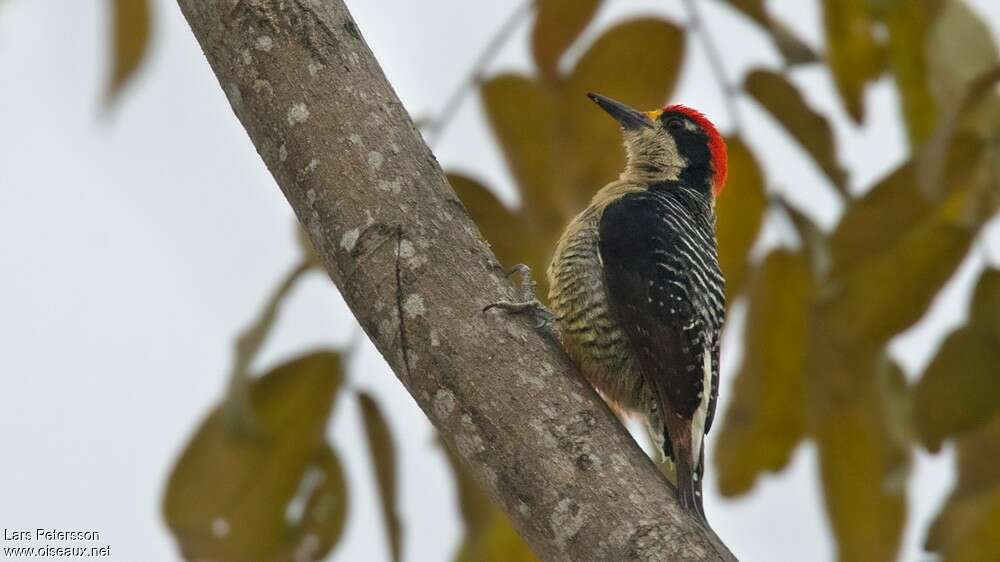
[675,124]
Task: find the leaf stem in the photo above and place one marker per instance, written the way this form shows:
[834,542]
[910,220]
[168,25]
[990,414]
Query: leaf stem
[729,90]
[437,126]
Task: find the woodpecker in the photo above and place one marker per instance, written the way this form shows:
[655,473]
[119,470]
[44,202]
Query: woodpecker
[636,290]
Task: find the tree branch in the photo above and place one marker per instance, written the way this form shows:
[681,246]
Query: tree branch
[413,268]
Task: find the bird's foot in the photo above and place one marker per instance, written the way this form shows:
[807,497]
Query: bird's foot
[528,302]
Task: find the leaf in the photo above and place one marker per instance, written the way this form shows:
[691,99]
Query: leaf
[765,419]
[965,530]
[793,49]
[229,493]
[960,391]
[497,542]
[325,512]
[889,290]
[864,465]
[488,533]
[908,23]
[960,50]
[636,62]
[740,211]
[783,101]
[131,24]
[383,453]
[523,116]
[558,24]
[854,56]
[513,238]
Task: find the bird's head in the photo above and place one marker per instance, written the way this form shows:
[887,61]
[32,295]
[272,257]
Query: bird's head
[674,143]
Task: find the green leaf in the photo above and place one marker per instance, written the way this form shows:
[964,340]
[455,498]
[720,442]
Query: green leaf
[636,62]
[228,496]
[793,49]
[966,528]
[558,24]
[383,453]
[960,390]
[740,211]
[783,101]
[131,31]
[854,56]
[864,465]
[765,418]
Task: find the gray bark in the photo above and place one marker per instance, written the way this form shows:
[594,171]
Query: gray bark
[415,271]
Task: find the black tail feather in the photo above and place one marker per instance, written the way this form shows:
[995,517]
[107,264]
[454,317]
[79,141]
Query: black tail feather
[689,488]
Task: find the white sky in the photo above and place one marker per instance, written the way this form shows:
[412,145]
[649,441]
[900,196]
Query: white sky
[136,244]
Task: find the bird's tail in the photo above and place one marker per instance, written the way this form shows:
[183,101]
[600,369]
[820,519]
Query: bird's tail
[689,487]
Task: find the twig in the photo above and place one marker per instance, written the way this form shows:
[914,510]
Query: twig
[729,91]
[248,344]
[436,127]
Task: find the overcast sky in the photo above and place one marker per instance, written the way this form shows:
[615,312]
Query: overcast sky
[135,244]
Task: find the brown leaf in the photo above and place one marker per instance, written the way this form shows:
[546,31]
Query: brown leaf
[793,49]
[497,542]
[864,464]
[383,453]
[966,528]
[558,24]
[960,390]
[783,101]
[765,418]
[740,211]
[131,27]
[325,513]
[513,238]
[960,50]
[228,496]
[908,24]
[854,56]
[636,62]
[523,116]
[488,533]
[889,291]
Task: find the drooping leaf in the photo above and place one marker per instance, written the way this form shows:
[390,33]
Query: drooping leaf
[966,528]
[864,465]
[783,101]
[740,211]
[523,116]
[815,242]
[558,24]
[792,48]
[636,62]
[383,454]
[765,419]
[229,495]
[960,390]
[131,30]
[908,23]
[854,56]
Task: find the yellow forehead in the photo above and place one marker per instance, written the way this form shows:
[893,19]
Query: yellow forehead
[655,114]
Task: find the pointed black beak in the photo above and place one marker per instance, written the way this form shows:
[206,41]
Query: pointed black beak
[630,119]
